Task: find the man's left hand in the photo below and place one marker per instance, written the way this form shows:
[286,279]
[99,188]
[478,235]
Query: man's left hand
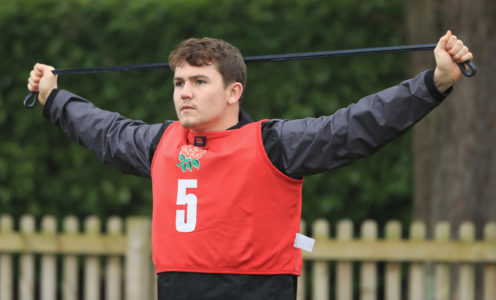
[448,53]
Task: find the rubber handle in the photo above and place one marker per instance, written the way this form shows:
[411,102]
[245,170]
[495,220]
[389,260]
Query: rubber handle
[468,68]
[31,104]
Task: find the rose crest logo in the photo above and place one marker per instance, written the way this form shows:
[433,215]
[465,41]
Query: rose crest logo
[189,158]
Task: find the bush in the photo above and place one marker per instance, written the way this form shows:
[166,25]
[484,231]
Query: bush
[43,172]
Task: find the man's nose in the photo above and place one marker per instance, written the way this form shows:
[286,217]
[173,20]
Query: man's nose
[186,91]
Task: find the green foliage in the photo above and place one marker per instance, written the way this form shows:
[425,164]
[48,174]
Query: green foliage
[42,171]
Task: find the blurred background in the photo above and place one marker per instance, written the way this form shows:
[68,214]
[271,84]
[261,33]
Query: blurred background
[444,169]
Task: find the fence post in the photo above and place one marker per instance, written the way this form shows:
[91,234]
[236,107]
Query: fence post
[393,269]
[416,272]
[70,286]
[490,269]
[6,281]
[442,270]
[467,271]
[113,273]
[92,262]
[368,274]
[26,282]
[138,273]
[344,269]
[48,262]
[300,291]
[321,268]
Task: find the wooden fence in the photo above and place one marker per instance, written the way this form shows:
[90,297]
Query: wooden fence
[126,274]
[417,253]
[115,263]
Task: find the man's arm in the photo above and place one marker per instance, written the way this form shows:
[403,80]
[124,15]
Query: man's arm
[312,145]
[121,142]
[303,147]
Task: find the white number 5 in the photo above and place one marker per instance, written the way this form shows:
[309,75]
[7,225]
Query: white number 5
[187,224]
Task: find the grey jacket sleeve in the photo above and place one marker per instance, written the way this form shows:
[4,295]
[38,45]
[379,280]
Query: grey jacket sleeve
[307,146]
[118,141]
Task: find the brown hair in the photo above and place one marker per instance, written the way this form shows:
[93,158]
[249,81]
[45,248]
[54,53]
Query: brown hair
[206,51]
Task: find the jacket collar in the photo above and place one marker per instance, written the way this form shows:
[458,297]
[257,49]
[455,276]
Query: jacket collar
[244,119]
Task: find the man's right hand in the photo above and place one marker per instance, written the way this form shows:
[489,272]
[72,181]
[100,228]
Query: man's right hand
[42,80]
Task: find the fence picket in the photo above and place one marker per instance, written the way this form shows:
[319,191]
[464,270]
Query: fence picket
[490,269]
[393,269]
[467,271]
[48,262]
[138,273]
[26,280]
[113,269]
[321,268]
[344,269]
[91,264]
[442,274]
[70,272]
[6,280]
[416,273]
[368,273]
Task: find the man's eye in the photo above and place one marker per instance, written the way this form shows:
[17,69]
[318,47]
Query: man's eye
[178,83]
[200,82]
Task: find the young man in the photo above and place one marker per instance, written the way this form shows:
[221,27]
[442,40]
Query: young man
[227,190]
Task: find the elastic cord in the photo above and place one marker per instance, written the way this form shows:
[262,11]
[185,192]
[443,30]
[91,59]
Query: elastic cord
[253,59]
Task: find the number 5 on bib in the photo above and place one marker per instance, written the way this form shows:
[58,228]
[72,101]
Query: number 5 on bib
[186,218]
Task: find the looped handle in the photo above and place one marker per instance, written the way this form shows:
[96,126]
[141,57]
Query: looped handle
[468,68]
[31,104]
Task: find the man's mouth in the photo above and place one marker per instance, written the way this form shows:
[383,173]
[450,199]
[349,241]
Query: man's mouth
[187,107]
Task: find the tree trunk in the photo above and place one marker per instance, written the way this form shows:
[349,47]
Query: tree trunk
[455,146]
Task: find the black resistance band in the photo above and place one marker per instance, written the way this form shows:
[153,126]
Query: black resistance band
[467,68]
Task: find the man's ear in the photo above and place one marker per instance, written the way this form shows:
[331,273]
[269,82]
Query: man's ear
[235,92]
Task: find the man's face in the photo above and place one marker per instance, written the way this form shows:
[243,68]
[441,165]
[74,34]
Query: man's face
[200,97]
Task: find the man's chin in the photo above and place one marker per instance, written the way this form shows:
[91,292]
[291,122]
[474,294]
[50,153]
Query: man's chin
[187,123]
